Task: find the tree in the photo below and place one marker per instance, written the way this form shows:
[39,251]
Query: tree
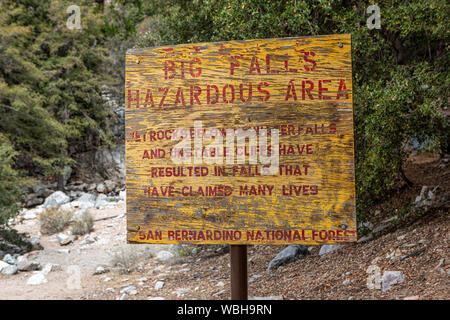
[400,71]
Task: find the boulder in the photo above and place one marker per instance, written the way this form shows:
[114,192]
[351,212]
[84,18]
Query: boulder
[164,255]
[391,278]
[87,197]
[289,254]
[327,248]
[56,199]
[3,265]
[36,279]
[9,259]
[10,270]
[85,201]
[23,264]
[32,200]
[65,239]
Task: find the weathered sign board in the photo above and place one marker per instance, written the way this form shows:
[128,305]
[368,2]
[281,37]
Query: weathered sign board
[187,182]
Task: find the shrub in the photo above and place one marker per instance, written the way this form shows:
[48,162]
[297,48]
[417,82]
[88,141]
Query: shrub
[184,252]
[83,224]
[124,259]
[55,220]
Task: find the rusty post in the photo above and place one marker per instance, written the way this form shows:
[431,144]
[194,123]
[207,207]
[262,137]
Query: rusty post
[239,284]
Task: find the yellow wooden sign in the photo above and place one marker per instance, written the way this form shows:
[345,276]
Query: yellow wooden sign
[241,142]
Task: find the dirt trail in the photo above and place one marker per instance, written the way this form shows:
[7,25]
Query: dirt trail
[74,280]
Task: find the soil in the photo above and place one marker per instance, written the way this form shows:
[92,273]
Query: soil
[415,244]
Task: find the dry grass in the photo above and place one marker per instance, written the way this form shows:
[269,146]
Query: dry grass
[55,220]
[124,259]
[83,224]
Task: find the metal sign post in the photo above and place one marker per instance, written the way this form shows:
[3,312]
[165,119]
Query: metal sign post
[239,283]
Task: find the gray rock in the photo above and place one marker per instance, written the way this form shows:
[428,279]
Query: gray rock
[10,270]
[49,267]
[164,255]
[32,200]
[110,185]
[391,278]
[289,254]
[65,239]
[111,163]
[88,240]
[365,225]
[56,199]
[23,264]
[2,254]
[380,228]
[222,250]
[159,285]
[3,265]
[85,201]
[42,190]
[390,219]
[366,238]
[126,289]
[123,297]
[36,279]
[346,282]
[9,259]
[254,277]
[36,243]
[101,188]
[29,215]
[327,248]
[101,201]
[100,270]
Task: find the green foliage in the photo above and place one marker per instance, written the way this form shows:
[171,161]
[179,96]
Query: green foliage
[51,82]
[400,72]
[9,187]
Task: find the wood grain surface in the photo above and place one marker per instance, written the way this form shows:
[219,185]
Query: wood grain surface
[300,86]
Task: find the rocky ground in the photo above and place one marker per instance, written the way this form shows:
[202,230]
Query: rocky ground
[404,254]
